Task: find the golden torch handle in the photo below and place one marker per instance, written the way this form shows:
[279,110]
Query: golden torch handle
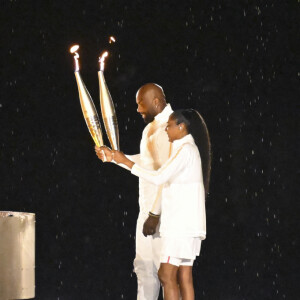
[108,113]
[87,105]
[89,111]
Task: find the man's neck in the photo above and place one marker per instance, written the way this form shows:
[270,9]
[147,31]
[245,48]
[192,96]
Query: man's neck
[161,108]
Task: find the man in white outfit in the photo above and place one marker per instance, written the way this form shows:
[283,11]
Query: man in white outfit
[154,152]
[155,149]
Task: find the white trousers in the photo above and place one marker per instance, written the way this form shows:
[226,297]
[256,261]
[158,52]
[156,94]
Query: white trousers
[146,262]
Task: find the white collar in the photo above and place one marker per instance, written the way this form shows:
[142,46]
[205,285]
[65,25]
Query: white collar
[164,114]
[186,139]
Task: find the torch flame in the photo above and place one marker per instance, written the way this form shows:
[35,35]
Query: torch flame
[112,40]
[73,49]
[102,59]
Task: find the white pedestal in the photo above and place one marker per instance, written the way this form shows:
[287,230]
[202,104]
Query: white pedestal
[17,255]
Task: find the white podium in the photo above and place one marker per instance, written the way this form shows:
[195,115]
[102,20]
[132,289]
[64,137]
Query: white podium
[17,255]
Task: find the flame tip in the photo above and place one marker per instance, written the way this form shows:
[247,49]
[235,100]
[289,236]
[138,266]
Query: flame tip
[112,39]
[74,48]
[103,55]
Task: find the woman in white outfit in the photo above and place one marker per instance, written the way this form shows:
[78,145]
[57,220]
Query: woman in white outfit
[186,179]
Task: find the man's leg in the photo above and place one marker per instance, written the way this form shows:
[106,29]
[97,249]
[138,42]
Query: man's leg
[144,265]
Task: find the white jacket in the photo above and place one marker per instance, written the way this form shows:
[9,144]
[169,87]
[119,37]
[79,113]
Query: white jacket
[155,149]
[183,195]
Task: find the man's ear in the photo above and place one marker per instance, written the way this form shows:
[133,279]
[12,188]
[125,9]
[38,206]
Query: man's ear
[156,102]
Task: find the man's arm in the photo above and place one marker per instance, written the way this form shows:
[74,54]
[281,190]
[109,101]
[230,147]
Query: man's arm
[150,225]
[162,149]
[164,152]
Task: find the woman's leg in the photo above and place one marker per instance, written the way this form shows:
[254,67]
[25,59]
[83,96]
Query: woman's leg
[167,275]
[185,280]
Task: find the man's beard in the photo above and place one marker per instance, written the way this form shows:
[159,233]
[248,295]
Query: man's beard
[148,118]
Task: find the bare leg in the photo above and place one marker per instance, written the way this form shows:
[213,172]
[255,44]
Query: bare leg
[167,274]
[185,279]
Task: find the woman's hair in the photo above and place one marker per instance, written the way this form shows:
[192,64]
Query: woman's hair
[197,128]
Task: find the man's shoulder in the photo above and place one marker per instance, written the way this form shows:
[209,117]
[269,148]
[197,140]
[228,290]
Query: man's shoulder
[146,128]
[168,113]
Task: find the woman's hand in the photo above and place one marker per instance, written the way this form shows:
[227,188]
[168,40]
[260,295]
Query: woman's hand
[104,153]
[119,157]
[108,155]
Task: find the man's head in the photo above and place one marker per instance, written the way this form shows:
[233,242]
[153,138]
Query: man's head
[151,100]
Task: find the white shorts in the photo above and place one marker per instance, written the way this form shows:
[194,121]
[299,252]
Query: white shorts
[181,247]
[176,261]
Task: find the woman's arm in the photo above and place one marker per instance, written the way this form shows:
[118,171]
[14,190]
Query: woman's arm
[173,166]
[107,155]
[120,158]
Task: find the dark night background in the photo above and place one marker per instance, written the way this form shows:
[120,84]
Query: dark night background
[233,61]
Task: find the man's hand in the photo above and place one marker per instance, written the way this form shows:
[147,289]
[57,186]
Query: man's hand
[150,225]
[104,153]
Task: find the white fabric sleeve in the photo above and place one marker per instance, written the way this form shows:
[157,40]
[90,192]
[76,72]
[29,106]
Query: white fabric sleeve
[173,166]
[164,150]
[135,158]
[156,206]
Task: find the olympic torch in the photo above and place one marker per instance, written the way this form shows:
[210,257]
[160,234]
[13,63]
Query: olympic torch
[87,105]
[107,108]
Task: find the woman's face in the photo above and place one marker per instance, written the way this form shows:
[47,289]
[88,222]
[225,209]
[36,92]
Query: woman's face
[172,129]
